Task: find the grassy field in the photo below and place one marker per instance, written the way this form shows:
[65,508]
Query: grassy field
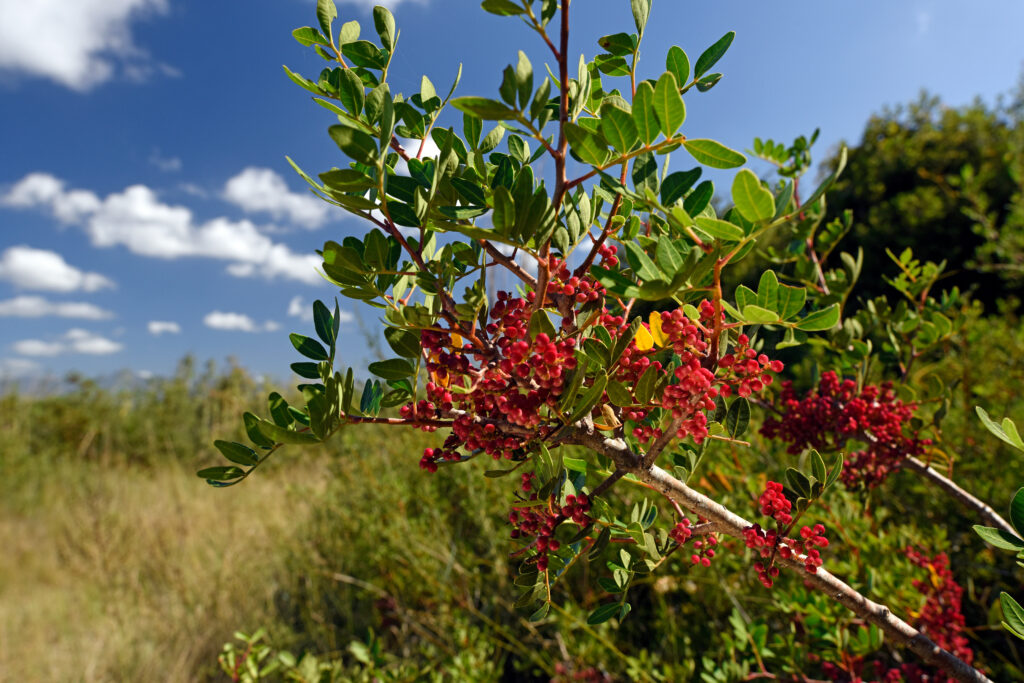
[118,564]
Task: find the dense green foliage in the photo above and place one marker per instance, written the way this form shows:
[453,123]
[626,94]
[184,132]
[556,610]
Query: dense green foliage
[945,181]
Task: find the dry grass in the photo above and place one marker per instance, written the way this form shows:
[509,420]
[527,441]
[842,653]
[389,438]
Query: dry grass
[139,574]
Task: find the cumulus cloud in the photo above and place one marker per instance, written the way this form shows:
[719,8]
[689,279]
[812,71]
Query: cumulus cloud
[298,308]
[38,307]
[29,268]
[158,327]
[136,219]
[257,190]
[75,340]
[78,44]
[238,322]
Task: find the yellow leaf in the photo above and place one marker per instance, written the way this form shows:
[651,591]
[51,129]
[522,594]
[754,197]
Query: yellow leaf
[643,339]
[659,336]
[457,341]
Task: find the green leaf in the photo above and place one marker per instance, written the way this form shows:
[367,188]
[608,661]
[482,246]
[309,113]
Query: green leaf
[645,386]
[351,91]
[738,417]
[1013,615]
[710,56]
[349,32]
[642,263]
[323,321]
[384,22]
[484,108]
[307,35]
[714,154]
[618,127]
[752,200]
[825,319]
[540,322]
[668,104]
[618,44]
[818,466]
[308,347]
[503,8]
[303,82]
[402,342]
[641,10]
[643,113]
[394,368]
[220,473]
[1011,438]
[504,216]
[590,398]
[701,196]
[355,143]
[591,148]
[753,313]
[326,13]
[1017,511]
[677,184]
[603,613]
[719,229]
[237,453]
[618,394]
[678,64]
[306,370]
[365,54]
[287,436]
[999,538]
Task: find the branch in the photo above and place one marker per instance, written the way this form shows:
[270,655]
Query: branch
[962,496]
[732,524]
[508,263]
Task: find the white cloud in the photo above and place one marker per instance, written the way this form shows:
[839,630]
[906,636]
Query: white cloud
[239,322]
[78,44]
[75,340]
[412,148]
[37,307]
[158,327]
[262,190]
[136,219]
[168,164]
[30,268]
[298,308]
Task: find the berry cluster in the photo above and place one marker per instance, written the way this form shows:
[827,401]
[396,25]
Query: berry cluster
[541,521]
[827,417]
[939,618]
[768,544]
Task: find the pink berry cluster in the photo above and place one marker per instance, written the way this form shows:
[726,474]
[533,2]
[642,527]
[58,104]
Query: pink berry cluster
[826,417]
[746,369]
[773,503]
[704,547]
[541,521]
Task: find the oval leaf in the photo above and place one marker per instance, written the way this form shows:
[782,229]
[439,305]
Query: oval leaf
[714,154]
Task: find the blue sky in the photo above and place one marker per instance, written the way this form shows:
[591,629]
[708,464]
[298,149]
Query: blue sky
[147,211]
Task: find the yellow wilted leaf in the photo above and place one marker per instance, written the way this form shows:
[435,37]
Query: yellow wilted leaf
[659,336]
[643,339]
